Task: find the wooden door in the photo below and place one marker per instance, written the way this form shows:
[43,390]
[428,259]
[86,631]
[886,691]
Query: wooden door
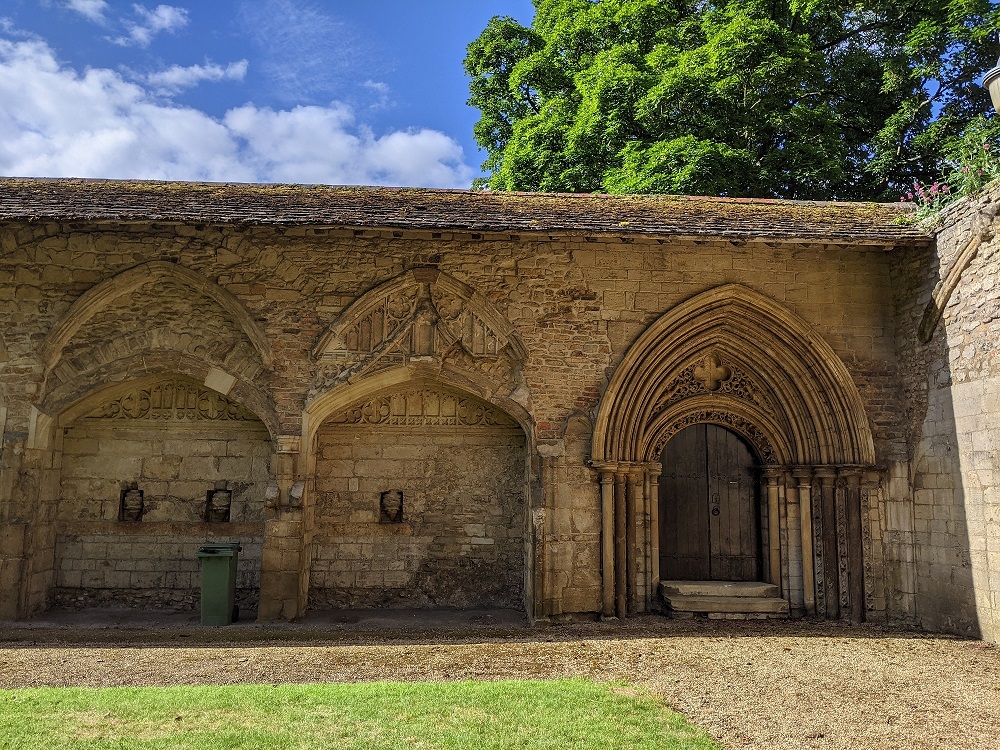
[709,529]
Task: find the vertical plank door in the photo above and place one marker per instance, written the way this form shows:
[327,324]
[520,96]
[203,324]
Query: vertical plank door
[734,534]
[684,532]
[709,527]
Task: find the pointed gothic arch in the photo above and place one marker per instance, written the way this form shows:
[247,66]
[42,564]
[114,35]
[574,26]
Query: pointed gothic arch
[732,350]
[105,293]
[735,358]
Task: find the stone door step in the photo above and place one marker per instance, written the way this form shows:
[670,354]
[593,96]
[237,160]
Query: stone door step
[723,599]
[719,588]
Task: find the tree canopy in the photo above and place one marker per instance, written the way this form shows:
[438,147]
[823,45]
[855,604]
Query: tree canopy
[810,99]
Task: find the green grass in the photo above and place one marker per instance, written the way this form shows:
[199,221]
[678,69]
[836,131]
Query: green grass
[367,716]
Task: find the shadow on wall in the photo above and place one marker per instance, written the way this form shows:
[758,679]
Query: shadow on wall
[953,398]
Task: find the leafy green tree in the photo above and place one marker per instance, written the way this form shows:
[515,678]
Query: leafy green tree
[789,98]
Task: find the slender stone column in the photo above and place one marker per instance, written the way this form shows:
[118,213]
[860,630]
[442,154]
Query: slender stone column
[771,475]
[653,500]
[855,542]
[793,538]
[607,542]
[635,504]
[803,475]
[620,544]
[546,539]
[828,489]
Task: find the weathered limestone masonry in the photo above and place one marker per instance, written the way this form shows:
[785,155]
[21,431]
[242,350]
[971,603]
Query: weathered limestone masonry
[416,398]
[949,303]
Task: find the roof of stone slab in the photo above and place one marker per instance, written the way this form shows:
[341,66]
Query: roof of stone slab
[64,200]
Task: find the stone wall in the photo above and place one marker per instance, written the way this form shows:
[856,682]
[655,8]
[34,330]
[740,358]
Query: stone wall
[169,440]
[949,305]
[157,570]
[454,534]
[575,302]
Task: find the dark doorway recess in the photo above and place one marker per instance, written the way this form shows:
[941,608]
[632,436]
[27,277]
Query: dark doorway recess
[709,507]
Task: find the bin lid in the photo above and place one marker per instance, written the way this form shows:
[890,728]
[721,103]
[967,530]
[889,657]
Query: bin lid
[219,550]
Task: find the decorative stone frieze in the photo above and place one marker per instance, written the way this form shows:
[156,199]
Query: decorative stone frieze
[175,400]
[424,407]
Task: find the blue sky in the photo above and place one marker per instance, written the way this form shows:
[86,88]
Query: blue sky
[311,91]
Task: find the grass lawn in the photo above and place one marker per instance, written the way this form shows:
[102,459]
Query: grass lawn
[368,716]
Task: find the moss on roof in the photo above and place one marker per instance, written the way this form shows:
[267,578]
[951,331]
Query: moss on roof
[61,200]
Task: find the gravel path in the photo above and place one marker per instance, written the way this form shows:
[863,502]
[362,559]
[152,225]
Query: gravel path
[752,685]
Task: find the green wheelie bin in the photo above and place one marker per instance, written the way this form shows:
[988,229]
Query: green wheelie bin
[218,582]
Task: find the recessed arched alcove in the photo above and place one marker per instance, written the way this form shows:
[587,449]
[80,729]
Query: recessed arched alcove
[418,500]
[150,470]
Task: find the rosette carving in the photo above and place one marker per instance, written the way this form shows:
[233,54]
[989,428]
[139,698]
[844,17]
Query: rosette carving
[174,400]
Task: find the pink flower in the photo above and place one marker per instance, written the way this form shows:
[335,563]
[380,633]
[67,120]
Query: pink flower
[909,196]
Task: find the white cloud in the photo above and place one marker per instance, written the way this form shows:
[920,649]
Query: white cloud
[380,91]
[152,22]
[56,122]
[307,54]
[177,78]
[92,10]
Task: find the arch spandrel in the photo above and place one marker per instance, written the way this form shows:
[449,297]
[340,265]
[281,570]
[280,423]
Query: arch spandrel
[775,367]
[422,320]
[104,294]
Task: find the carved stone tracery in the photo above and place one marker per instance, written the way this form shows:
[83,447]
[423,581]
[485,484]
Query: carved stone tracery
[424,407]
[173,400]
[714,373]
[734,422]
[423,315]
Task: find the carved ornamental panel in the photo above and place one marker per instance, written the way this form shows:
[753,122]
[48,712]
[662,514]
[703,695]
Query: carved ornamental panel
[421,316]
[714,373]
[734,422]
[424,408]
[175,400]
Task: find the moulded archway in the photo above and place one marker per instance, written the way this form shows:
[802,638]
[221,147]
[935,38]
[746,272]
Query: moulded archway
[735,358]
[149,470]
[417,499]
[732,341]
